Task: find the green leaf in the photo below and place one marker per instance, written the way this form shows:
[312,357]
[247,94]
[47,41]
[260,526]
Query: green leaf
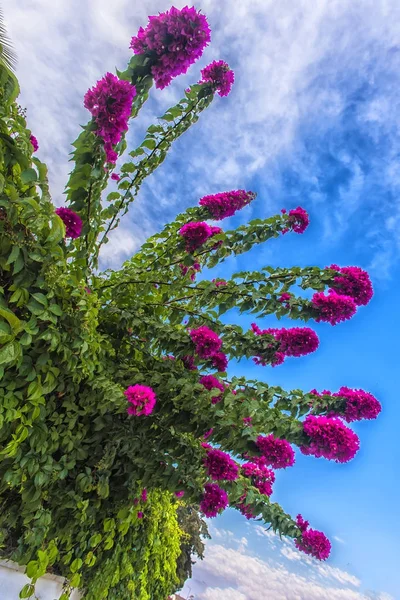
[149,143]
[15,323]
[57,232]
[32,569]
[76,565]
[13,255]
[9,353]
[56,310]
[41,298]
[27,591]
[28,176]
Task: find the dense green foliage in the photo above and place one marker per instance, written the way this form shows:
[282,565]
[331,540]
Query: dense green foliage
[73,338]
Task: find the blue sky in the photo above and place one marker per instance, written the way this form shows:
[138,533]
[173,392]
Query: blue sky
[313,119]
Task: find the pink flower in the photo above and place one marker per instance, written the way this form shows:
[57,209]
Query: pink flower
[359,404]
[206,341]
[191,270]
[333,308]
[297,341]
[329,438]
[141,398]
[140,515]
[180,494]
[172,40]
[143,496]
[353,282]
[285,297]
[219,361]
[219,75]
[294,341]
[110,103]
[188,362]
[219,283]
[298,220]
[208,433]
[195,234]
[115,177]
[248,421]
[246,509]
[277,453]
[210,382]
[72,221]
[225,204]
[220,466]
[262,477]
[214,500]
[312,542]
[34,143]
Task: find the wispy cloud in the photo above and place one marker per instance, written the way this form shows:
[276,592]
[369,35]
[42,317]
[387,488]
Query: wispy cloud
[308,119]
[229,571]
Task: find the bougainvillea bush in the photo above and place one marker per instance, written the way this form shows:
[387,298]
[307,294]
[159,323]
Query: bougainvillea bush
[116,406]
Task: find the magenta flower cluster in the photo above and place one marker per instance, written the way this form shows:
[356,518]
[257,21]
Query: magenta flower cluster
[245,509]
[174,40]
[110,103]
[219,75]
[141,399]
[277,453]
[225,204]
[329,438]
[34,143]
[220,361]
[359,404]
[214,500]
[298,219]
[195,234]
[220,466]
[210,382]
[206,341]
[195,268]
[312,542]
[353,282]
[220,283]
[333,308]
[188,362]
[294,341]
[72,221]
[262,477]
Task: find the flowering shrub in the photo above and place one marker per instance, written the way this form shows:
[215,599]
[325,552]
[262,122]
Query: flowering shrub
[110,103]
[220,466]
[173,41]
[219,76]
[276,452]
[72,222]
[312,542]
[141,398]
[353,282]
[214,500]
[107,378]
[333,308]
[329,438]
[226,204]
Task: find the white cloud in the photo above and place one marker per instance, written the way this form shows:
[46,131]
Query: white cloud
[297,65]
[229,573]
[338,539]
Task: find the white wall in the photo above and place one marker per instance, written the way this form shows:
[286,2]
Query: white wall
[12,580]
